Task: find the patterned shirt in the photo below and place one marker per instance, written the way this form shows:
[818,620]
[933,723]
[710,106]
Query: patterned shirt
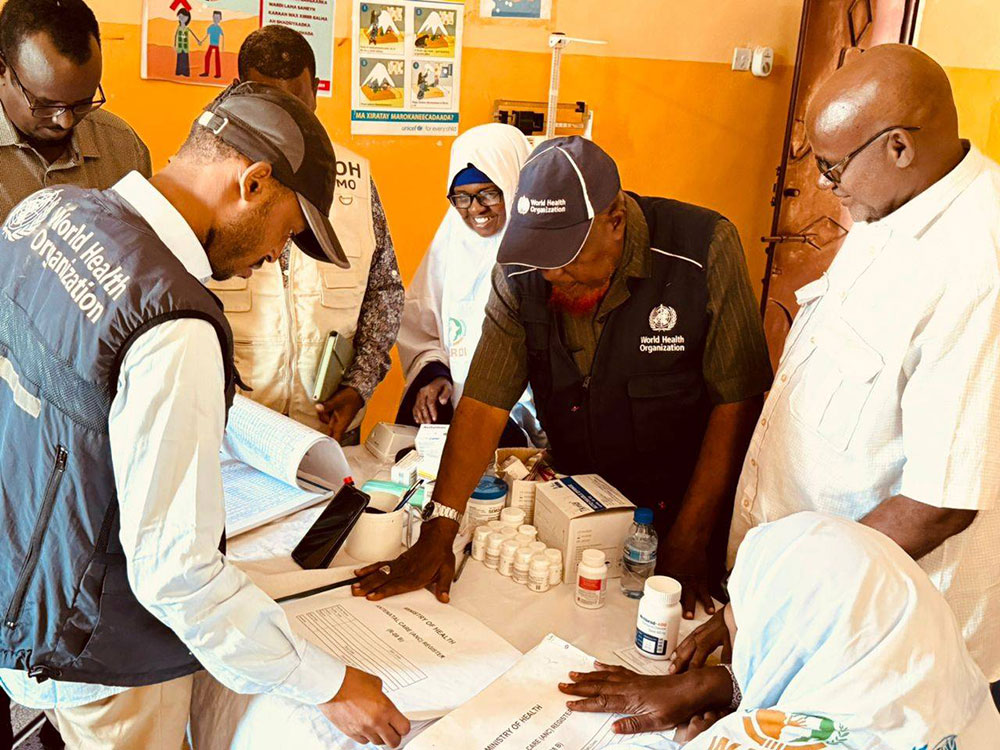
[736,364]
[102,150]
[381,309]
[182,41]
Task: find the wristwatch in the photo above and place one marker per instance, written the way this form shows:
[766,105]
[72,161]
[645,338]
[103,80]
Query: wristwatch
[436,510]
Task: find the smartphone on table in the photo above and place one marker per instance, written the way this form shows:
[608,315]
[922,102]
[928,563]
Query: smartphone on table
[325,538]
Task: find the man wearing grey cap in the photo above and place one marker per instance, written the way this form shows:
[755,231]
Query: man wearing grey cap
[116,375]
[633,321]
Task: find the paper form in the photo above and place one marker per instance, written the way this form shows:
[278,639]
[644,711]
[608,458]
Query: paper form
[430,656]
[273,466]
[632,658]
[524,710]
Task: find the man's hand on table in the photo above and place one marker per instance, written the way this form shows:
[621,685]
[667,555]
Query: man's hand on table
[686,562]
[338,412]
[430,561]
[694,650]
[363,712]
[652,703]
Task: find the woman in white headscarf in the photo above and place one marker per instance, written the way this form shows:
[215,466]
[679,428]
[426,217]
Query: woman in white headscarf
[445,304]
[840,642]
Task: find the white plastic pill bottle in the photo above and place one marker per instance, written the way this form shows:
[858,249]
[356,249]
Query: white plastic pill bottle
[659,618]
[507,550]
[479,542]
[592,579]
[491,558]
[538,574]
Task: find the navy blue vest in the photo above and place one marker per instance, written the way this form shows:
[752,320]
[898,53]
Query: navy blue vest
[638,417]
[84,276]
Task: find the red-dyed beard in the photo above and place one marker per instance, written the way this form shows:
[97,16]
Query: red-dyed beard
[577,305]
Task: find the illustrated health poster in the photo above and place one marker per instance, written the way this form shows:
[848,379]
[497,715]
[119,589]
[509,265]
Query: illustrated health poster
[406,62]
[197,41]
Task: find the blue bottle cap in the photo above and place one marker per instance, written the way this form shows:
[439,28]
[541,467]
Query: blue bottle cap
[643,515]
[490,488]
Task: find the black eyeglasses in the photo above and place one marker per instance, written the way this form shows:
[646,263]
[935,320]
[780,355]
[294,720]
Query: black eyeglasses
[50,111]
[485,198]
[834,173]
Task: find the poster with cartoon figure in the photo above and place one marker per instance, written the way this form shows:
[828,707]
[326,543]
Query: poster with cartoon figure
[407,58]
[515,8]
[381,29]
[382,82]
[435,35]
[198,41]
[431,84]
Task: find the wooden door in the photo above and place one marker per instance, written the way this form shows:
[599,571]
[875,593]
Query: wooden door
[809,224]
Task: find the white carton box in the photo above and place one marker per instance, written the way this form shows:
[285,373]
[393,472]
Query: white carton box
[583,512]
[522,492]
[430,440]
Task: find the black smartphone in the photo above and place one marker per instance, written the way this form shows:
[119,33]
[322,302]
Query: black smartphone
[322,542]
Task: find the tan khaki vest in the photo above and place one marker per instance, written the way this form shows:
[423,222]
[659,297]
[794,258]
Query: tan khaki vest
[279,333]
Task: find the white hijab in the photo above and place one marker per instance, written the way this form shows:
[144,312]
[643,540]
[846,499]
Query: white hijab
[843,642]
[455,273]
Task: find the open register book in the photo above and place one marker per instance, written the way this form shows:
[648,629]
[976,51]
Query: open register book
[273,466]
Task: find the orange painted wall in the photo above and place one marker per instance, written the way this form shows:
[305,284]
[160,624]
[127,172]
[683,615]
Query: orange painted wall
[691,130]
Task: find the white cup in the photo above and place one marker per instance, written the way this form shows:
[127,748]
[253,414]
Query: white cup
[378,536]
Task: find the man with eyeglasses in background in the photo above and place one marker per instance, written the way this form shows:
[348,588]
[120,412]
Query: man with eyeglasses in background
[52,128]
[886,401]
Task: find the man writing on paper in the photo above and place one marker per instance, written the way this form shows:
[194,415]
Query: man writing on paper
[117,373]
[283,314]
[633,321]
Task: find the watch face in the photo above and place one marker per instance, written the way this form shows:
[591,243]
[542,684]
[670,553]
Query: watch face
[428,511]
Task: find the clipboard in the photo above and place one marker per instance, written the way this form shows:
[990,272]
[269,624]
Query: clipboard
[338,353]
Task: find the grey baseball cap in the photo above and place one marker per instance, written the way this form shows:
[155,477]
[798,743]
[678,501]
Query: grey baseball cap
[266,124]
[564,184]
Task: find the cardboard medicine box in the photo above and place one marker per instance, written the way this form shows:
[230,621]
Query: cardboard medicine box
[522,492]
[583,512]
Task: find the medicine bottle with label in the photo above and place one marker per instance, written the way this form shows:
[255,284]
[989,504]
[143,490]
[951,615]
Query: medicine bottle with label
[492,557]
[507,550]
[486,503]
[555,566]
[659,618]
[528,530]
[538,574]
[522,562]
[592,579]
[479,542]
[512,517]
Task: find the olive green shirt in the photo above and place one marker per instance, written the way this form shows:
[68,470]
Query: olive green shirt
[102,150]
[736,364]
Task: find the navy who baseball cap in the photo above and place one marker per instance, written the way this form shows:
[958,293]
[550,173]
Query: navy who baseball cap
[564,184]
[266,124]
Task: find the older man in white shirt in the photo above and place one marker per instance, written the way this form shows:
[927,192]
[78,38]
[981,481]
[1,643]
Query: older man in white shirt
[886,404]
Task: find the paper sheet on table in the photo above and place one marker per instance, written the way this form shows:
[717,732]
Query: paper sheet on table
[273,466]
[632,658]
[524,709]
[430,656]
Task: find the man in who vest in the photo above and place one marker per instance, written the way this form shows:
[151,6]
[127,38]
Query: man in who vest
[116,374]
[633,320]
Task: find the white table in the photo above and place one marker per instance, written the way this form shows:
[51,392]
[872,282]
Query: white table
[221,719]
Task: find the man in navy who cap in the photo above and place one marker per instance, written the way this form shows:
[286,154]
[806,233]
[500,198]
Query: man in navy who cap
[116,376]
[633,320]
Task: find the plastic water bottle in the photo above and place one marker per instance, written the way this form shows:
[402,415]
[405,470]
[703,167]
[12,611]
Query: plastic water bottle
[639,556]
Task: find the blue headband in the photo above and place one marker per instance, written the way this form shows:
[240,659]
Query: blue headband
[469,176]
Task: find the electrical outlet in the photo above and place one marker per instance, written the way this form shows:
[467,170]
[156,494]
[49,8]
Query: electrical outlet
[742,58]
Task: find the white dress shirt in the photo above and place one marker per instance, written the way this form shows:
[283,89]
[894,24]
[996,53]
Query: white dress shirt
[888,386]
[166,427]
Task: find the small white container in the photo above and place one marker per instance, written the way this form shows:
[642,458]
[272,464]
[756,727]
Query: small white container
[554,557]
[377,536]
[507,550]
[492,557]
[512,517]
[659,618]
[528,530]
[592,579]
[538,574]
[479,542]
[486,503]
[523,540]
[495,525]
[537,547]
[507,532]
[522,563]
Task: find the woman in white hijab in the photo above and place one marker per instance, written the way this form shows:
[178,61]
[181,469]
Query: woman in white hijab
[445,304]
[840,642]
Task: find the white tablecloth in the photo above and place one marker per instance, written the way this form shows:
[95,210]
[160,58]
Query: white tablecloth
[221,719]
